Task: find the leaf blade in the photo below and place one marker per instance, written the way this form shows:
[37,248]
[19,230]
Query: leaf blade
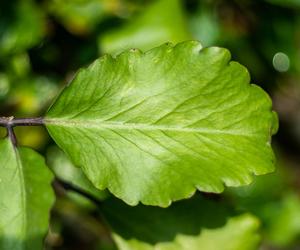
[176,111]
[26,198]
[184,225]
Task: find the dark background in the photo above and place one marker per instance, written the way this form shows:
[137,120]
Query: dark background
[43,43]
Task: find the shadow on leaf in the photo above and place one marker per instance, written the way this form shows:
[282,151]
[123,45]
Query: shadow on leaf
[153,224]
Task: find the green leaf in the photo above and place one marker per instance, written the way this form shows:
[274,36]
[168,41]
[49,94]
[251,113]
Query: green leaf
[282,220]
[185,225]
[238,233]
[26,198]
[22,25]
[204,24]
[277,208]
[79,16]
[66,171]
[155,126]
[260,191]
[163,21]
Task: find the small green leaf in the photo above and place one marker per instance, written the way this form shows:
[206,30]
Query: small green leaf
[161,22]
[192,224]
[155,126]
[26,198]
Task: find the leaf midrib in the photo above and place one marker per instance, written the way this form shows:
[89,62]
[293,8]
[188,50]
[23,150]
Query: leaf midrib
[23,191]
[87,123]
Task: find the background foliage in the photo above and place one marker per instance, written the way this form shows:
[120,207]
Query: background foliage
[43,43]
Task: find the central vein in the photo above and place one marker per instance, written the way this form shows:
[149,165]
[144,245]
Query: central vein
[100,124]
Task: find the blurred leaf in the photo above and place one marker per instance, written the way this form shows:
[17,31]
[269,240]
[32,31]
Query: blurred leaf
[19,65]
[204,25]
[26,198]
[3,132]
[171,120]
[261,190]
[30,94]
[80,16]
[272,200]
[88,232]
[66,171]
[33,137]
[163,21]
[4,85]
[283,220]
[22,25]
[81,200]
[186,225]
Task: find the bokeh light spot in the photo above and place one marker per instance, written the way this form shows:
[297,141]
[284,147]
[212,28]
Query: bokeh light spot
[281,62]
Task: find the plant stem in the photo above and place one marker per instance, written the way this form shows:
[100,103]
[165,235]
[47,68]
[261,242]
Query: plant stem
[12,122]
[11,135]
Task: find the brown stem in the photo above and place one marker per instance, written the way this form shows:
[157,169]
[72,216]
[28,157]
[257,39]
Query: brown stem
[12,122]
[11,135]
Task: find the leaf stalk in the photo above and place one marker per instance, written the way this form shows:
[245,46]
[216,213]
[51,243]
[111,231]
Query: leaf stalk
[13,122]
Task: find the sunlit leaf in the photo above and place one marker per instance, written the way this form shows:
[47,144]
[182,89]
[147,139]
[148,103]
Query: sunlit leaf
[154,127]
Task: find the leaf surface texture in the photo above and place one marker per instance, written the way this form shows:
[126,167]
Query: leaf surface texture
[155,126]
[26,198]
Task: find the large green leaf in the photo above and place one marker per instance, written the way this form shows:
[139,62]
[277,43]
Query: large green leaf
[155,126]
[26,197]
[163,21]
[192,224]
